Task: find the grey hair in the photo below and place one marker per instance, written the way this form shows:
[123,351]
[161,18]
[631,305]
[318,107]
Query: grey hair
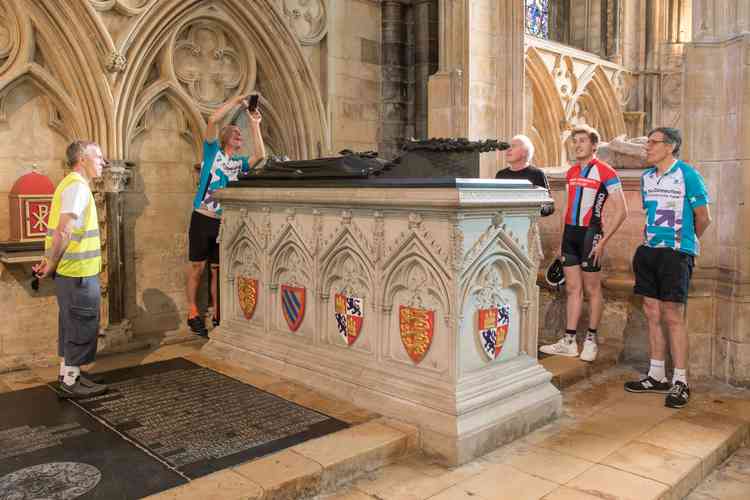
[671,136]
[76,151]
[527,145]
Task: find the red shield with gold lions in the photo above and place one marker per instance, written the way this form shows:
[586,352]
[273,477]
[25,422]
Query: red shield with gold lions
[349,315]
[417,327]
[293,305]
[493,329]
[247,291]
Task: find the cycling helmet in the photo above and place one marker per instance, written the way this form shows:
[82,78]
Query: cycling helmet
[554,274]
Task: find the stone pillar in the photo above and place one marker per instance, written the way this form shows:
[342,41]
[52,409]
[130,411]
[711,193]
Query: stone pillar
[421,64]
[716,110]
[394,79]
[117,329]
[478,89]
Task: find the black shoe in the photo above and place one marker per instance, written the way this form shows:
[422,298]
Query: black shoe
[215,321]
[648,384]
[81,389]
[91,377]
[678,396]
[197,326]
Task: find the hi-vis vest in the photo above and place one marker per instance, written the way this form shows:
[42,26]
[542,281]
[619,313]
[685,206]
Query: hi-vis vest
[83,257]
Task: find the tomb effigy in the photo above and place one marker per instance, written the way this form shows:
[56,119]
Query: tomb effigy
[414,297]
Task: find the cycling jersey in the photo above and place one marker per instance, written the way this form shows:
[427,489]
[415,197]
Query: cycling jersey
[217,171]
[669,201]
[588,189]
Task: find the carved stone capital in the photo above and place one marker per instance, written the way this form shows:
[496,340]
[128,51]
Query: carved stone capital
[116,62]
[116,176]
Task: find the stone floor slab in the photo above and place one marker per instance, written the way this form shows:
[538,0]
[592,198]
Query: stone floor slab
[565,493]
[681,472]
[610,483]
[355,450]
[226,484]
[541,462]
[590,447]
[284,475]
[500,482]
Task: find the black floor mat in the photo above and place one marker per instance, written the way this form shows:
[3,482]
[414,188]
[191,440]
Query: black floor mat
[52,449]
[200,421]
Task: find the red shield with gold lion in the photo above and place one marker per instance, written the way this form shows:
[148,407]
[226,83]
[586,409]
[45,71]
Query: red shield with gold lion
[417,327]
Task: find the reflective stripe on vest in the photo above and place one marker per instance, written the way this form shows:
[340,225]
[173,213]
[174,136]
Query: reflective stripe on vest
[82,258]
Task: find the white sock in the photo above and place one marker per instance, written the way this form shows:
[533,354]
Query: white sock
[680,374]
[62,367]
[656,371]
[71,374]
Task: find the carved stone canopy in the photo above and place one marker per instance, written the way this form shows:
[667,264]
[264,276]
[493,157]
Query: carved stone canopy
[622,152]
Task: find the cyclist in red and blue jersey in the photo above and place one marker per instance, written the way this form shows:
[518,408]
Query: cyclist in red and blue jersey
[590,182]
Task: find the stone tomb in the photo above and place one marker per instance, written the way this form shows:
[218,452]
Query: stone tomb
[416,300]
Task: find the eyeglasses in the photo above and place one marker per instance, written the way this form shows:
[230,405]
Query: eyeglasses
[651,142]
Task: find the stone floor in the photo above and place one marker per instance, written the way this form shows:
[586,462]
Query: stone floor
[609,444]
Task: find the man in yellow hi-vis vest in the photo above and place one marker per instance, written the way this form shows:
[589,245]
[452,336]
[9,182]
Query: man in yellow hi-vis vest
[73,258]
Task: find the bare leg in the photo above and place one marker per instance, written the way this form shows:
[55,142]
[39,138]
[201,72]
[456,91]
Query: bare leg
[674,316]
[574,291]
[592,283]
[658,344]
[194,272]
[215,289]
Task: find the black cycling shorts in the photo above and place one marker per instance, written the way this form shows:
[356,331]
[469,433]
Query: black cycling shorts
[202,236]
[662,273]
[577,243]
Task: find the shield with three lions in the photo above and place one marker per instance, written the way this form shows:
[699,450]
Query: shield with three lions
[493,329]
[349,316]
[293,305]
[247,291]
[417,327]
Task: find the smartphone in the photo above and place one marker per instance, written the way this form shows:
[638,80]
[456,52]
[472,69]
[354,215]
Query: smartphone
[252,102]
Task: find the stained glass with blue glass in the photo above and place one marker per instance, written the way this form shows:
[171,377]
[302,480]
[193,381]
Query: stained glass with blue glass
[537,18]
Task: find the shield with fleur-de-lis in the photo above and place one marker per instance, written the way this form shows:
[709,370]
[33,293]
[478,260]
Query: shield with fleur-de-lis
[349,316]
[417,327]
[293,305]
[493,329]
[247,292]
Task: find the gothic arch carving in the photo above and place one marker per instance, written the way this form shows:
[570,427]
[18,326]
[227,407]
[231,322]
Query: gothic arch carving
[605,106]
[294,93]
[548,112]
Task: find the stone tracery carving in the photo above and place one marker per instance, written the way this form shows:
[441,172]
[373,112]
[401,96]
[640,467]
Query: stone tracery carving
[307,18]
[209,64]
[124,7]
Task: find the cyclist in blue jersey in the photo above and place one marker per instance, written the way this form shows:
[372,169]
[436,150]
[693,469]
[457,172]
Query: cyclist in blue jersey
[220,165]
[677,214]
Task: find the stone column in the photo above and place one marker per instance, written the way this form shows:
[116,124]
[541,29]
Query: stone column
[716,110]
[117,329]
[478,89]
[394,78]
[421,64]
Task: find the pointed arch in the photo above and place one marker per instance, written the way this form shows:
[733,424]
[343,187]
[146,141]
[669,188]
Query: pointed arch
[295,94]
[548,113]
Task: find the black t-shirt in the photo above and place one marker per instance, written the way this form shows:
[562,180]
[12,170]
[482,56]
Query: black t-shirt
[533,175]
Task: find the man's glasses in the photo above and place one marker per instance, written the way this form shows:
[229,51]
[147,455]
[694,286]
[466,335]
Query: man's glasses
[651,142]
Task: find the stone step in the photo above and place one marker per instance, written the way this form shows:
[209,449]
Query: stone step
[308,469]
[568,371]
[731,480]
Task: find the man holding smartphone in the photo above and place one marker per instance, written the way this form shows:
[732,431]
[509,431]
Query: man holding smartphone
[221,165]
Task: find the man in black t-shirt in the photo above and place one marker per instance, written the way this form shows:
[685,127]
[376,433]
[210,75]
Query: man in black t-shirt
[519,157]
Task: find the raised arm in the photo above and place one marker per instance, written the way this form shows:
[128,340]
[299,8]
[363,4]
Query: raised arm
[211,133]
[259,147]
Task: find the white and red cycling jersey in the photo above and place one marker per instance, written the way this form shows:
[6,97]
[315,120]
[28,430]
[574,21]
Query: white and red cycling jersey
[588,189]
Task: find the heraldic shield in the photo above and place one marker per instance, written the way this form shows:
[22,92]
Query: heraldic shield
[293,305]
[417,327]
[493,328]
[349,316]
[247,291]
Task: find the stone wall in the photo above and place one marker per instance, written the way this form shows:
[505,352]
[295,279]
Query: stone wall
[141,78]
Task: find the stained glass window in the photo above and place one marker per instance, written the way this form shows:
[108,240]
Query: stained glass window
[537,18]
